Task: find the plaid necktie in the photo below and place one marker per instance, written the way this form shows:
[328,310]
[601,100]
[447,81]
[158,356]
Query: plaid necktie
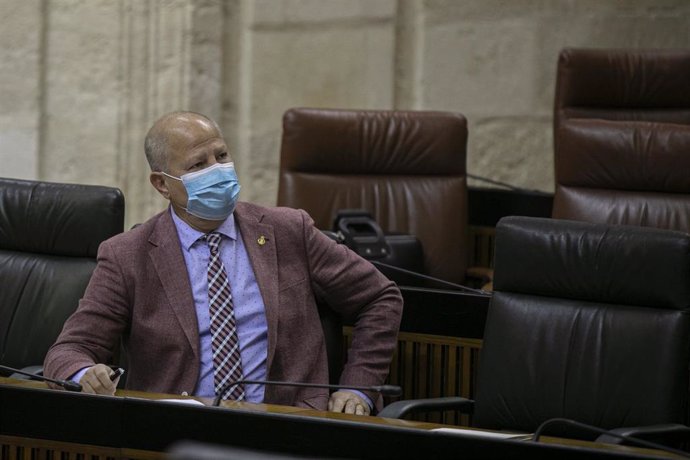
[227,362]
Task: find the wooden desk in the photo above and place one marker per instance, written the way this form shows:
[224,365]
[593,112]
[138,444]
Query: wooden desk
[37,423]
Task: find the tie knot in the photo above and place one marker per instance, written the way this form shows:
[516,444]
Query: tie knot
[213,240]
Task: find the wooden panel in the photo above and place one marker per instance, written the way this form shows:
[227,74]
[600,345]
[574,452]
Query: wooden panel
[18,448]
[432,366]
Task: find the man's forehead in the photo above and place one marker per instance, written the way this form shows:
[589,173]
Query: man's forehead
[185,122]
[189,133]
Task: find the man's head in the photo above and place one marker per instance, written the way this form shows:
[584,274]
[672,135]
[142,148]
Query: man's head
[180,143]
[166,129]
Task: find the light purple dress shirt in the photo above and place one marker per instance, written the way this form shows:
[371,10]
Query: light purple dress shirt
[250,315]
[250,312]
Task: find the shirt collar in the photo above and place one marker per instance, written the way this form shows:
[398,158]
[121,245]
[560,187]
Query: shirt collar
[189,236]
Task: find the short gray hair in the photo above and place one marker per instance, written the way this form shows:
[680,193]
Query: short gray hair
[157,139]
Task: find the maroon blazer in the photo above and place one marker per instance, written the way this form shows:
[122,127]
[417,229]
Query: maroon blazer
[140,292]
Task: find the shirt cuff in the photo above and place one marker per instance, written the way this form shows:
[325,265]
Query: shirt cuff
[76,377]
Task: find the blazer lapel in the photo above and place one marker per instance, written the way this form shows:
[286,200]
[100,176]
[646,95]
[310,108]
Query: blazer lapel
[169,263]
[260,243]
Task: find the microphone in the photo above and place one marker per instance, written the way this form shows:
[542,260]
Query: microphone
[350,229]
[503,184]
[66,384]
[385,390]
[594,429]
[431,278]
[340,239]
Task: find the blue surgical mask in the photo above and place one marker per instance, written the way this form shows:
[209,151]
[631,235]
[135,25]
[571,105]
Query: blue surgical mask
[212,192]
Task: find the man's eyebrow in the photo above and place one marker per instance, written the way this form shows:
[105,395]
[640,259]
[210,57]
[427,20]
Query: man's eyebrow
[221,149]
[195,157]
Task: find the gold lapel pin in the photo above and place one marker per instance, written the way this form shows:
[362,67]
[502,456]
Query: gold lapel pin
[261,240]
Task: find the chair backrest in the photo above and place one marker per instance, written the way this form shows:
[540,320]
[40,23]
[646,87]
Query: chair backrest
[49,236]
[623,172]
[588,322]
[407,168]
[621,137]
[623,84]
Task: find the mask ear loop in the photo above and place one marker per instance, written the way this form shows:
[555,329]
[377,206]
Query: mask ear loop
[176,178]
[172,177]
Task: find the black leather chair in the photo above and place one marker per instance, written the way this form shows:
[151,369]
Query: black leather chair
[588,322]
[49,236]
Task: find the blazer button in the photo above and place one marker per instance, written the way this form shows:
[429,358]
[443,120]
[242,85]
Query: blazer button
[184,393]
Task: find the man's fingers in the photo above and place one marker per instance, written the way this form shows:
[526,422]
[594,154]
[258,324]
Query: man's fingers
[348,402]
[337,402]
[97,380]
[103,376]
[85,386]
[350,406]
[356,406]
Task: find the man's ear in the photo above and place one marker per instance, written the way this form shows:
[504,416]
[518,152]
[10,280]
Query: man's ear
[158,181]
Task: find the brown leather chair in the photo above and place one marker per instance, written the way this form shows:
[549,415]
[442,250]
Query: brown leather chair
[636,85]
[407,168]
[622,137]
[622,172]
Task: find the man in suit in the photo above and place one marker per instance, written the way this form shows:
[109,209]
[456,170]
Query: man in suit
[191,313]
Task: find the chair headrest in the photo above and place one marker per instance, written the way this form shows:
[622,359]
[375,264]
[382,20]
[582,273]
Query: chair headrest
[332,141]
[615,264]
[58,219]
[623,78]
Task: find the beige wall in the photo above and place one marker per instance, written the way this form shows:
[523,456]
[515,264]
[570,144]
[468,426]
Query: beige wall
[81,80]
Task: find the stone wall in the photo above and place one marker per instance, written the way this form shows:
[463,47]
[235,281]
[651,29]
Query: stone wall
[81,80]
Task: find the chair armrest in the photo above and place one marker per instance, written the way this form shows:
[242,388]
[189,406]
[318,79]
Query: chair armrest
[670,432]
[399,409]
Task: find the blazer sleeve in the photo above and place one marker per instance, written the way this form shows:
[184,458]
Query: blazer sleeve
[353,287]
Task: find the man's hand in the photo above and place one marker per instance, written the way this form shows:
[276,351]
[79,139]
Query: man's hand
[347,402]
[97,380]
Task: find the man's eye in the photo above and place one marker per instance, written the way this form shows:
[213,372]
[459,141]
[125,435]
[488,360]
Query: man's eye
[223,155]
